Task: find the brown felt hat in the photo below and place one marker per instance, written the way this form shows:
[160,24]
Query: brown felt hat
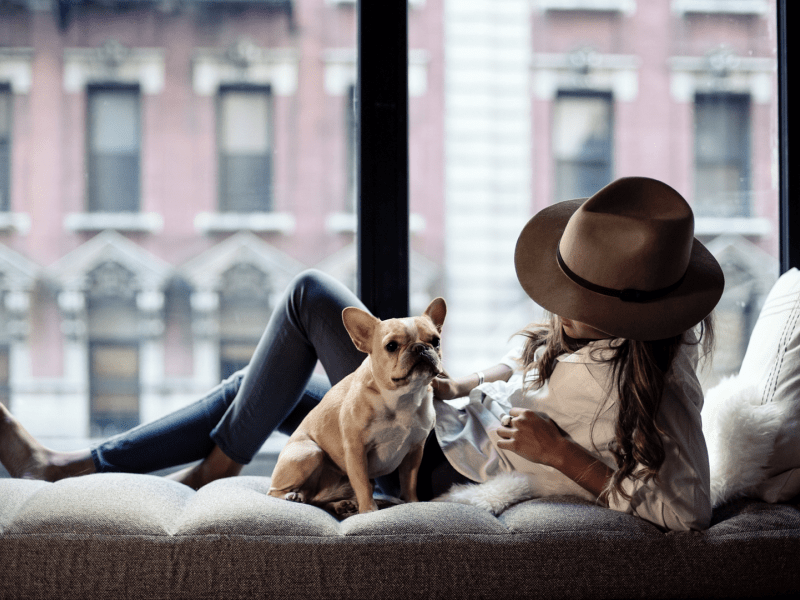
[624,261]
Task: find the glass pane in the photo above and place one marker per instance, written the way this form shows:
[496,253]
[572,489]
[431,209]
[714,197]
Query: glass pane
[244,122]
[114,150]
[114,118]
[115,363]
[177,170]
[544,102]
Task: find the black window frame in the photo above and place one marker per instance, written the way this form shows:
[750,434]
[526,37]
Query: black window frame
[788,136]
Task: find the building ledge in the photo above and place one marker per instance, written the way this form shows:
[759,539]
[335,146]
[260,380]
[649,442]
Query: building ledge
[226,222]
[744,226]
[623,6]
[731,7]
[15,222]
[149,222]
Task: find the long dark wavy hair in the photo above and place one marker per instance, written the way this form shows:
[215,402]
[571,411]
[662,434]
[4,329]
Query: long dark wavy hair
[638,371]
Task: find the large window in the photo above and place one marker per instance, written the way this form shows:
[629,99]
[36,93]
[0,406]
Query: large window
[114,149]
[722,155]
[245,150]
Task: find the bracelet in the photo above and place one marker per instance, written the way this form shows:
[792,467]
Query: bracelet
[480,377]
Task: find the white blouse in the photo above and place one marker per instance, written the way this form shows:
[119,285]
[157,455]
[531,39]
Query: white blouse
[582,401]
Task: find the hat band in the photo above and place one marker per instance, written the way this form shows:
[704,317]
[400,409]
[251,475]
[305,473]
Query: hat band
[626,295]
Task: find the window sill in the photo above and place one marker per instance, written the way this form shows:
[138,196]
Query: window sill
[345,222]
[226,222]
[622,6]
[745,226]
[15,222]
[120,221]
[730,7]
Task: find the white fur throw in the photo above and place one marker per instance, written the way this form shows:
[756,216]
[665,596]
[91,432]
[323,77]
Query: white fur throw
[494,495]
[740,434]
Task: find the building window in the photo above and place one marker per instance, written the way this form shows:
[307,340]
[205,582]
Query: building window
[5,376]
[722,155]
[582,143]
[114,142]
[113,387]
[245,150]
[5,148]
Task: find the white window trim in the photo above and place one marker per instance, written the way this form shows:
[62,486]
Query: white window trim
[586,70]
[15,222]
[340,71]
[113,62]
[248,64]
[744,226]
[741,75]
[146,222]
[732,7]
[16,69]
[226,222]
[347,222]
[627,7]
[411,3]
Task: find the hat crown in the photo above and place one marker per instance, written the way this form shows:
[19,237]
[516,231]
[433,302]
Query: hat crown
[634,234]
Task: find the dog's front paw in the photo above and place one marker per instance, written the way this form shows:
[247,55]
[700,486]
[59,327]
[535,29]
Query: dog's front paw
[345,508]
[295,497]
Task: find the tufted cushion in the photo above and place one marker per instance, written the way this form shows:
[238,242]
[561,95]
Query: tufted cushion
[139,536]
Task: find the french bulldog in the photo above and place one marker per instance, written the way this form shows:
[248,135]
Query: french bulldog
[370,423]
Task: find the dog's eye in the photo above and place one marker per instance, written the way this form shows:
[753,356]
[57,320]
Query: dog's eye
[435,342]
[391,346]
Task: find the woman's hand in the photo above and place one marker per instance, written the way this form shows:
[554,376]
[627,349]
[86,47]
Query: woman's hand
[445,387]
[538,439]
[535,438]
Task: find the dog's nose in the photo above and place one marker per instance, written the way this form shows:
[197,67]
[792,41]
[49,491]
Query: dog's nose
[419,348]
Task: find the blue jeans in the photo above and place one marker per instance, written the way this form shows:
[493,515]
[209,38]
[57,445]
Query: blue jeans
[276,391]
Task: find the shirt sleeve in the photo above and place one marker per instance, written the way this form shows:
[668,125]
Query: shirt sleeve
[512,358]
[679,497]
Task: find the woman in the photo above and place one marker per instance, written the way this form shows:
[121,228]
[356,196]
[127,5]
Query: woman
[629,283]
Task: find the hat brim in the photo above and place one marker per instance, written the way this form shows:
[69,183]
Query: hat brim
[544,281]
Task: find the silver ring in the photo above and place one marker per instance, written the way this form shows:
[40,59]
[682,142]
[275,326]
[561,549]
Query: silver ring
[505,420]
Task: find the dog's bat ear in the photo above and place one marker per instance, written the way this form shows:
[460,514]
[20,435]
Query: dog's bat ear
[360,325]
[437,310]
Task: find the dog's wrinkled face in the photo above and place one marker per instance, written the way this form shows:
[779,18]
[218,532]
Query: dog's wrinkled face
[403,352]
[408,351]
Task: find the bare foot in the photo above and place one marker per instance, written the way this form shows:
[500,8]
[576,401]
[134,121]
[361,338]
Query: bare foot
[215,466]
[24,457]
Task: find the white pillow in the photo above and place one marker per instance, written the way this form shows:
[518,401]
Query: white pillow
[752,421]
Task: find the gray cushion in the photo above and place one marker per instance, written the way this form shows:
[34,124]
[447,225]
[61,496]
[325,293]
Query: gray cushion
[140,536]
